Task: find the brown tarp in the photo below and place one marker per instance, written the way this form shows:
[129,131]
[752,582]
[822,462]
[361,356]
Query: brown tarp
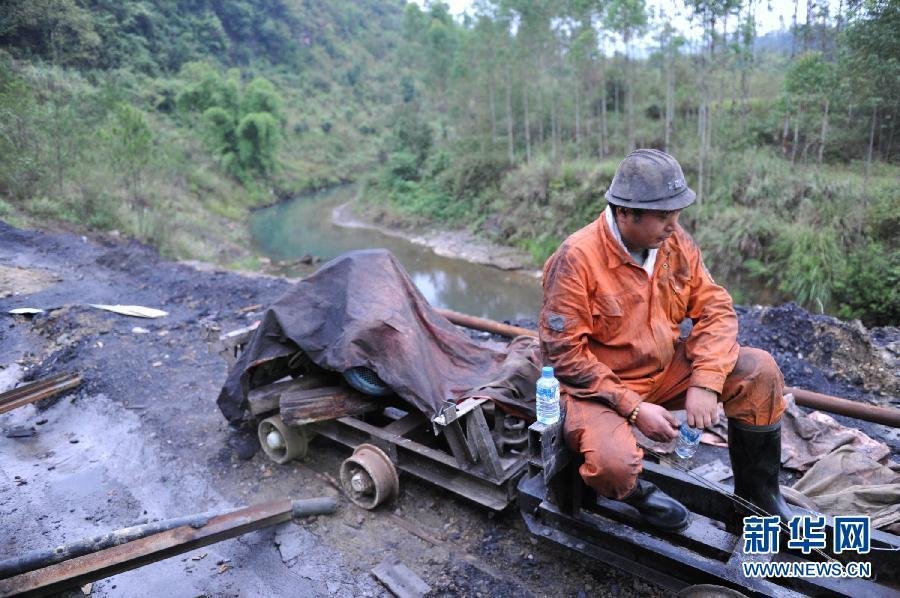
[362,309]
[807,438]
[847,482]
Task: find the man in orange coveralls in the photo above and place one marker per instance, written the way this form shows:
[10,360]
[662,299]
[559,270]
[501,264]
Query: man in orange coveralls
[615,293]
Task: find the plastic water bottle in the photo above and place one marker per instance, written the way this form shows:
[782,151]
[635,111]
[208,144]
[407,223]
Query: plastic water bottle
[688,439]
[547,397]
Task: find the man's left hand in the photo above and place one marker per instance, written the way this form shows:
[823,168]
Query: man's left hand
[702,407]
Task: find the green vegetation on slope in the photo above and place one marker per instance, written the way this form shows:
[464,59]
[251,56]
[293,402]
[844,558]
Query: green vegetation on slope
[169,121]
[514,122]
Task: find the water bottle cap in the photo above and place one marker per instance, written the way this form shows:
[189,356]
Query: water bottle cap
[547,371]
[692,434]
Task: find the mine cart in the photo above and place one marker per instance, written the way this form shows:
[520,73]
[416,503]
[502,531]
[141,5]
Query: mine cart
[558,506]
[355,353]
[471,448]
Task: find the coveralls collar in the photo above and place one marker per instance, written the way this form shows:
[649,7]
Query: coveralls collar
[623,256]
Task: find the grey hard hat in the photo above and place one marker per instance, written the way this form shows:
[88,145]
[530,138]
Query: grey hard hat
[649,179]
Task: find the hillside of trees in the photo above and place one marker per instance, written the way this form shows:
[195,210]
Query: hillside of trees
[169,121]
[517,117]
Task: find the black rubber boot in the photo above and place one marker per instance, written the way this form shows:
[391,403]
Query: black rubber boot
[658,508]
[756,460]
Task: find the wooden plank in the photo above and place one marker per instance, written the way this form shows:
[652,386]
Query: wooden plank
[300,407]
[35,391]
[267,398]
[124,557]
[480,435]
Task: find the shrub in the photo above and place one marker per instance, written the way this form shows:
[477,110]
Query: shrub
[871,289]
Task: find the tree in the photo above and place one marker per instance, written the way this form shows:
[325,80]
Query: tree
[870,66]
[241,126]
[629,18]
[132,141]
[808,85]
[710,13]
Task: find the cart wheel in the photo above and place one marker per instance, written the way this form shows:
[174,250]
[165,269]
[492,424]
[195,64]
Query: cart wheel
[281,442]
[368,477]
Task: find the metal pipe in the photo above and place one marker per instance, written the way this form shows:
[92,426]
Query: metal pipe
[887,416]
[484,324]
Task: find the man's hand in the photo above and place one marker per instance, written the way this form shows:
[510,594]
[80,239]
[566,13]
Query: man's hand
[656,423]
[702,407]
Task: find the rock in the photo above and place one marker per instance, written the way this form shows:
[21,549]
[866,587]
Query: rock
[244,445]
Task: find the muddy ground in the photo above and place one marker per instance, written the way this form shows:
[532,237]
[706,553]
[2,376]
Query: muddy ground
[142,437]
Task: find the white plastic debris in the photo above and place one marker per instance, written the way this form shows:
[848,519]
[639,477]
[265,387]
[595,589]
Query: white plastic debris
[25,311]
[137,311]
[139,330]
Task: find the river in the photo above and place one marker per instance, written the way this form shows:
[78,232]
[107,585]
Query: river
[303,226]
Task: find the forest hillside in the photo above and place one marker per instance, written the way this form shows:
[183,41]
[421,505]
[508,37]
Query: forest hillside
[169,122]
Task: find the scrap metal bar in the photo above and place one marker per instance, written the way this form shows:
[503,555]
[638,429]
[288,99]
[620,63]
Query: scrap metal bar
[871,413]
[484,324]
[98,565]
[887,416]
[35,391]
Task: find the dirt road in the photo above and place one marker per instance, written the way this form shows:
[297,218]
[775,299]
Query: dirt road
[142,437]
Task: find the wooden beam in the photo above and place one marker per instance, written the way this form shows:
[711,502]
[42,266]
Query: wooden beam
[35,391]
[305,406]
[124,557]
[267,398]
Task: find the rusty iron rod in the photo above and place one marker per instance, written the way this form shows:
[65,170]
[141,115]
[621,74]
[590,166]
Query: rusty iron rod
[484,324]
[35,391]
[887,416]
[124,557]
[880,415]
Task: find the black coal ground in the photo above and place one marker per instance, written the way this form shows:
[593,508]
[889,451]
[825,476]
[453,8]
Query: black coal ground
[142,438]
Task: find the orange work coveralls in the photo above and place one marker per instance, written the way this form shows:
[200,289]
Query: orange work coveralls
[612,332]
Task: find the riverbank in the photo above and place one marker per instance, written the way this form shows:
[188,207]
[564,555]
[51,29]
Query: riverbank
[456,244]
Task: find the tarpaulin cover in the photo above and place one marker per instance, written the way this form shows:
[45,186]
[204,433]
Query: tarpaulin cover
[807,438]
[848,482]
[362,309]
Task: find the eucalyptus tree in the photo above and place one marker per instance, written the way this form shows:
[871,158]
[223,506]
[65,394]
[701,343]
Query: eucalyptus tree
[870,65]
[710,13]
[808,86]
[629,19]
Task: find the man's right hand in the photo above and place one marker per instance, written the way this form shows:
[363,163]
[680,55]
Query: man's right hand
[656,423]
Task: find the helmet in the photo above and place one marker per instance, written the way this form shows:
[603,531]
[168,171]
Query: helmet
[649,179]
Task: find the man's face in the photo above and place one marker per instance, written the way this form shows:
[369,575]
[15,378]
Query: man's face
[647,231]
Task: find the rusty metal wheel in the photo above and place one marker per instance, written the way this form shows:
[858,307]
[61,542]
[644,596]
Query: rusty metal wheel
[282,442]
[368,477]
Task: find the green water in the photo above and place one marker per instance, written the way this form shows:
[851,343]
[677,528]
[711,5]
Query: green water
[303,226]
